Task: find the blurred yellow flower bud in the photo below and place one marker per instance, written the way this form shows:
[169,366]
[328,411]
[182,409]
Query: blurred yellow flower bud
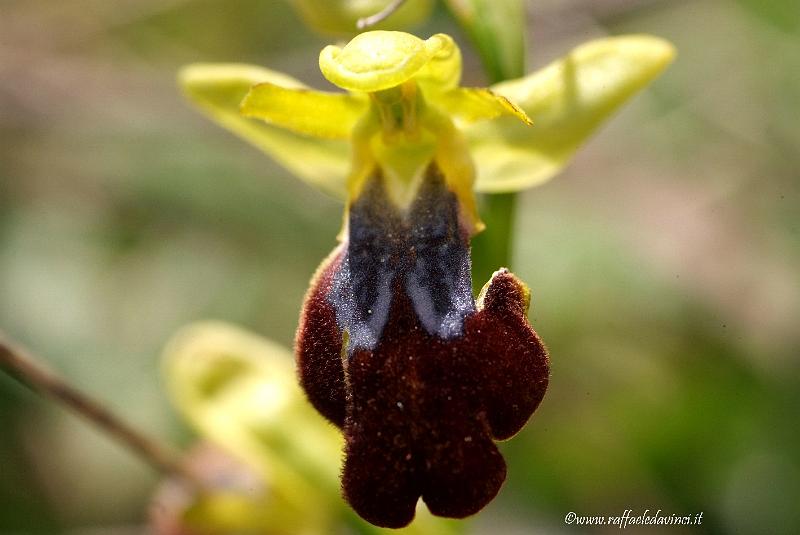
[340,17]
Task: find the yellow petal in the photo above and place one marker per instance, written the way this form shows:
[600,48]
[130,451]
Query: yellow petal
[313,113]
[218,90]
[476,104]
[568,100]
[373,61]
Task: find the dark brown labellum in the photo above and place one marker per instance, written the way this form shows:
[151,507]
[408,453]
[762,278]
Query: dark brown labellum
[393,349]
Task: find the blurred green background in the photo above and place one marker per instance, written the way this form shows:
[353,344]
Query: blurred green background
[664,263]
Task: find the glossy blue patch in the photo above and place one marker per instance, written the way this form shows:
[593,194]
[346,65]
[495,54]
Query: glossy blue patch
[422,252]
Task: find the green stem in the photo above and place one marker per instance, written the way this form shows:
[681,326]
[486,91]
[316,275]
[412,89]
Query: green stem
[492,248]
[34,374]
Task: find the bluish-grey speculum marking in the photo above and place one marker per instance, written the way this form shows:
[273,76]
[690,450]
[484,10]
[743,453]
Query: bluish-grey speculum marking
[422,251]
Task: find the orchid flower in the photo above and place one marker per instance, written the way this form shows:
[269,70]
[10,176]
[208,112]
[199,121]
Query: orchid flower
[392,348]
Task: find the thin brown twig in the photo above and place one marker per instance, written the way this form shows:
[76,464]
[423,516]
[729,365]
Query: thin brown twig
[34,374]
[372,20]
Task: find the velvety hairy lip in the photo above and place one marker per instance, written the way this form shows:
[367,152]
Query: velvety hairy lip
[393,349]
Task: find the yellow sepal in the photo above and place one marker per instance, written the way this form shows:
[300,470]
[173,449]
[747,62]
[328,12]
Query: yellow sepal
[567,100]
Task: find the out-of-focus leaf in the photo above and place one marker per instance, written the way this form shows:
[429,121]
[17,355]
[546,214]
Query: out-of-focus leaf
[783,14]
[218,90]
[497,29]
[567,100]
